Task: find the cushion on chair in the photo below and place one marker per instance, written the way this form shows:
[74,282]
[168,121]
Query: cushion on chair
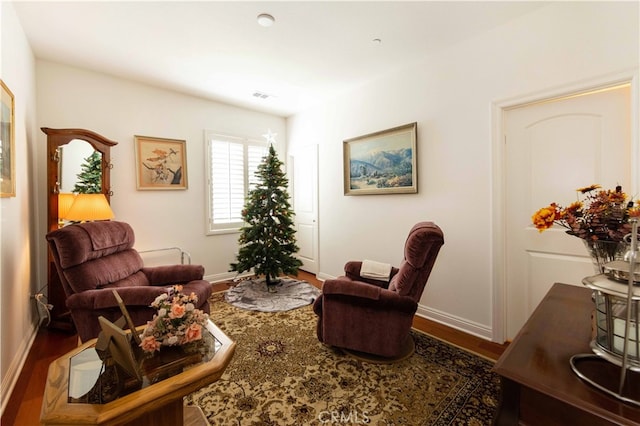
[75,244]
[421,247]
[418,246]
[99,272]
[108,234]
[402,282]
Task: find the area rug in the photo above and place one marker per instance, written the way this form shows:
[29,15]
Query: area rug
[282,375]
[288,294]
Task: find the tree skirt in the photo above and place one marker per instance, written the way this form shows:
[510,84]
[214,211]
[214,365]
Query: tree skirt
[289,294]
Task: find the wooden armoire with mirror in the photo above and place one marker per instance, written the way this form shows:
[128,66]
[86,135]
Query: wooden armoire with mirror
[67,149]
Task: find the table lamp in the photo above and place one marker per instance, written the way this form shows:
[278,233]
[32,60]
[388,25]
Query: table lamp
[90,207]
[65,201]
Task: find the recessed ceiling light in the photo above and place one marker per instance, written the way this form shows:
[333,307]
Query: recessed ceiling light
[266,20]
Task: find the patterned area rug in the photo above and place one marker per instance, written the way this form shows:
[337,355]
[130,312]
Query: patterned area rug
[288,294]
[282,375]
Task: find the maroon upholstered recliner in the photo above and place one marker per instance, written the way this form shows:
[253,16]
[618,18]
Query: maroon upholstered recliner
[95,257]
[374,316]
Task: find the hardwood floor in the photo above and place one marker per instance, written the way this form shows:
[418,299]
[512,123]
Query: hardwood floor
[23,407]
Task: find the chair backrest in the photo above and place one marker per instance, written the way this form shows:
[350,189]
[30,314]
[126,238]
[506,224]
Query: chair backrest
[420,252]
[94,255]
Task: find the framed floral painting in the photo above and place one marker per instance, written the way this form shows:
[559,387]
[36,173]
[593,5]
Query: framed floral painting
[382,162]
[7,144]
[161,163]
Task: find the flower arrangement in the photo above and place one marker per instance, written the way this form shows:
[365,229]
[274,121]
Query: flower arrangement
[177,322]
[601,215]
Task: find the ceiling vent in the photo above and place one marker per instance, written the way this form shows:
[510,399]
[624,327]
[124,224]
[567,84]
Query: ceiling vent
[260,95]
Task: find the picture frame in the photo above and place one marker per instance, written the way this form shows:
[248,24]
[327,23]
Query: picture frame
[161,164]
[383,162]
[114,340]
[7,143]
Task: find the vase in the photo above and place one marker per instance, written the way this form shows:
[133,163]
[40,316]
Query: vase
[602,252]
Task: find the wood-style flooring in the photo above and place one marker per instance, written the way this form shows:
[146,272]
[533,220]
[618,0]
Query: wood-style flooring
[23,408]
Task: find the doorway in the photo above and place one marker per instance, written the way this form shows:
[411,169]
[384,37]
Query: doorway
[549,148]
[305,204]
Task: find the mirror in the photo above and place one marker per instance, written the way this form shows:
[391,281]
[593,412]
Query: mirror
[67,150]
[73,156]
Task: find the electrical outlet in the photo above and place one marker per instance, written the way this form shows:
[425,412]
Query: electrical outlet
[43,308]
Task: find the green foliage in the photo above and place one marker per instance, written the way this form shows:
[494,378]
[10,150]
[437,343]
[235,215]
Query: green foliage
[267,241]
[90,176]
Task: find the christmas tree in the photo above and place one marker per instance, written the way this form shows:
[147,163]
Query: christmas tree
[90,177]
[267,241]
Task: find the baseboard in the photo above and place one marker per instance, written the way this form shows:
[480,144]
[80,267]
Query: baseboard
[15,368]
[323,277]
[466,326]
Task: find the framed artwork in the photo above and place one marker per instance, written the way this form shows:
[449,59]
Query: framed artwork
[7,144]
[383,162]
[161,163]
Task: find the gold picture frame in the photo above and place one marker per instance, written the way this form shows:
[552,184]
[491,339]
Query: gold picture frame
[383,162]
[7,144]
[160,163]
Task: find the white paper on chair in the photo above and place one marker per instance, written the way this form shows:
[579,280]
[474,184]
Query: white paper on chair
[375,270]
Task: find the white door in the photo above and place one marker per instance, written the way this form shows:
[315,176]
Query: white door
[305,205]
[551,149]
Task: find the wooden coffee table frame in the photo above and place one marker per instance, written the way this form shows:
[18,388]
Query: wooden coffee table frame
[159,404]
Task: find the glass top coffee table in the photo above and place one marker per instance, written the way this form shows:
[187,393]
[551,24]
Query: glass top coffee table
[82,389]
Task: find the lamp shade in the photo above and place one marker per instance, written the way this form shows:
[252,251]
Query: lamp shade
[65,201]
[88,207]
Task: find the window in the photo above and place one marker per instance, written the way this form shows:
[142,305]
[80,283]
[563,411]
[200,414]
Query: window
[232,163]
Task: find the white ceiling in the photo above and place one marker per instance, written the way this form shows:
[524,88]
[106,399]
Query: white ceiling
[216,50]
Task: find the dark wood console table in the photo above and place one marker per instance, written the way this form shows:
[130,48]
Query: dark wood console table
[538,385]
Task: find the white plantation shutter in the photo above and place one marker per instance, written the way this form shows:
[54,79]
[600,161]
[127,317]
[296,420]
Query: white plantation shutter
[232,166]
[255,155]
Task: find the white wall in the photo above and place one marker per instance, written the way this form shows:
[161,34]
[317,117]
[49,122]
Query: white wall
[119,109]
[18,275]
[450,96]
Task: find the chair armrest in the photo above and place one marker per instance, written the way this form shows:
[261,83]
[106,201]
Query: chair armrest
[364,294]
[352,271]
[173,274]
[103,297]
[345,286]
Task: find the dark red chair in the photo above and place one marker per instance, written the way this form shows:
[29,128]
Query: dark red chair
[93,258]
[372,316]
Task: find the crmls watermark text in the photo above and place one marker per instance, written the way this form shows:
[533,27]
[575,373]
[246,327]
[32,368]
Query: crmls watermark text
[353,417]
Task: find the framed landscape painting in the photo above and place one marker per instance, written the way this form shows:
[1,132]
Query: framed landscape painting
[7,144]
[161,163]
[382,162]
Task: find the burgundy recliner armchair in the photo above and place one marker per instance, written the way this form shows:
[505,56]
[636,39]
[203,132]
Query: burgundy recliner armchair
[95,257]
[373,316]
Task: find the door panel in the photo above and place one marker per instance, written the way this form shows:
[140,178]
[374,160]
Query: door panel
[552,148]
[305,205]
